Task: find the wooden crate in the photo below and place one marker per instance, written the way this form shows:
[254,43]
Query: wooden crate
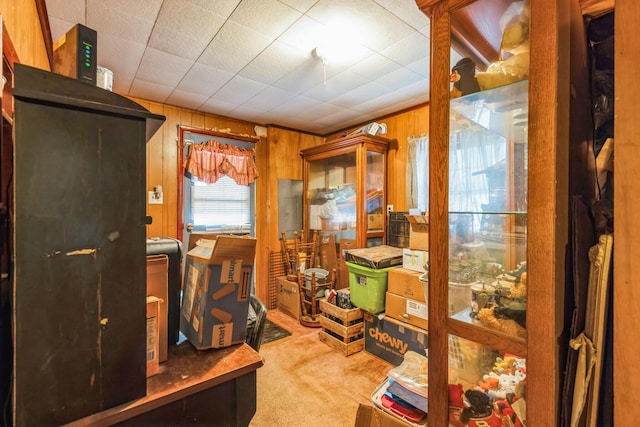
[342,329]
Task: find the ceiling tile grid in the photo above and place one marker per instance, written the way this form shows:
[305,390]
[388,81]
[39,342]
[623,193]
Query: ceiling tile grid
[254,59]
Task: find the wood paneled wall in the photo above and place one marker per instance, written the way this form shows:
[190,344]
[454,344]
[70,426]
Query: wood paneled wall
[20,17]
[278,155]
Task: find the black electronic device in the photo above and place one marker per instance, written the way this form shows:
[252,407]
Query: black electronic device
[75,54]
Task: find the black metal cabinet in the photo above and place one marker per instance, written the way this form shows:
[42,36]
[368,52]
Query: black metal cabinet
[80,248]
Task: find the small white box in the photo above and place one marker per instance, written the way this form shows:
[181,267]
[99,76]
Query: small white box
[415,260]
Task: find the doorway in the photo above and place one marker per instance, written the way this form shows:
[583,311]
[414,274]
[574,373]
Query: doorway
[222,207]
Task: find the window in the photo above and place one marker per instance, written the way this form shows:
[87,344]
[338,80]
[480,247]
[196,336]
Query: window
[224,206]
[220,207]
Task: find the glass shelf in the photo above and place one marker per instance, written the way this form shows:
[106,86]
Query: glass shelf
[503,110]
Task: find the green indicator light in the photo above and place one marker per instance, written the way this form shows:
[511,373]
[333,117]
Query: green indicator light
[87,64]
[87,56]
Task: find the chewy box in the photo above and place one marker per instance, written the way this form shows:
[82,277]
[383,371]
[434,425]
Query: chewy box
[389,339]
[368,287]
[217,282]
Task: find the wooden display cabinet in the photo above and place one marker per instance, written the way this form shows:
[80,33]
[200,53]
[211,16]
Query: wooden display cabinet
[501,179]
[344,191]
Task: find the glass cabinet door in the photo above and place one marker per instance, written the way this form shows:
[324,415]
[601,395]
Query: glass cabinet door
[344,186]
[487,248]
[331,195]
[374,198]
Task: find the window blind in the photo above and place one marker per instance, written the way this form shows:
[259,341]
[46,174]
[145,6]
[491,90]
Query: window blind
[223,205]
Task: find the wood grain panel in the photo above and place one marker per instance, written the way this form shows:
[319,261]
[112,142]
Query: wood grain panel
[543,228]
[438,212]
[626,292]
[23,25]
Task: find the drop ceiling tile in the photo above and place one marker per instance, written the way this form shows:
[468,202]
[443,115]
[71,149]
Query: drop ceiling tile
[408,12]
[185,99]
[121,18]
[72,11]
[118,55]
[303,78]
[374,67]
[246,113]
[218,107]
[408,50]
[184,29]
[294,106]
[336,86]
[421,67]
[399,78]
[319,110]
[268,17]
[269,99]
[233,47]
[359,95]
[418,91]
[162,68]
[238,90]
[305,34]
[340,116]
[204,80]
[299,5]
[150,90]
[122,83]
[364,21]
[220,7]
[277,60]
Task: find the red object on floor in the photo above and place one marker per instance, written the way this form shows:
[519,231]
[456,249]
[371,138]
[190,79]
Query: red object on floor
[411,414]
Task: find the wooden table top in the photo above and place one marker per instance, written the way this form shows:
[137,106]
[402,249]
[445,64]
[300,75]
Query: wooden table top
[187,371]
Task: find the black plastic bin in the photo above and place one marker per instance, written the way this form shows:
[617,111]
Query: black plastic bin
[172,248]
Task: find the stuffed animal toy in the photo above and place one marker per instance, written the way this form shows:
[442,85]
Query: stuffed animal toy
[456,405]
[488,317]
[463,77]
[479,411]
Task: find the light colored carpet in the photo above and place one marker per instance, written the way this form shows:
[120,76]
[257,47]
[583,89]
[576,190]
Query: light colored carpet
[306,383]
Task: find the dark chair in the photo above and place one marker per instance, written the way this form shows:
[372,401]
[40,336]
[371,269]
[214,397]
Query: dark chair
[256,331]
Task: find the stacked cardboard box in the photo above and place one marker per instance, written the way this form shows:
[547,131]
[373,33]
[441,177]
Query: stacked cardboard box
[406,297]
[416,256]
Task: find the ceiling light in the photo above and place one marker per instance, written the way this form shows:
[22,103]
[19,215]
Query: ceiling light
[319,53]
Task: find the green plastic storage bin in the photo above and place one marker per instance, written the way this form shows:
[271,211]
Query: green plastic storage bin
[368,287]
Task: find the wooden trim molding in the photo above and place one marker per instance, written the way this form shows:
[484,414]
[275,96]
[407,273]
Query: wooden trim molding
[46,29]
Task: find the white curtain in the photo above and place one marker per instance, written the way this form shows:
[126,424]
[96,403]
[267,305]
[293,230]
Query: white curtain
[474,154]
[418,173]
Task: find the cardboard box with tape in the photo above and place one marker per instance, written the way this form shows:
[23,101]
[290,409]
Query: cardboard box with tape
[217,283]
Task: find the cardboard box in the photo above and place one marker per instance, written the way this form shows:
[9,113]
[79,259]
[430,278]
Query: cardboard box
[288,297]
[418,231]
[389,339]
[370,416]
[217,283]
[153,335]
[407,283]
[158,285]
[407,310]
[375,221]
[414,260]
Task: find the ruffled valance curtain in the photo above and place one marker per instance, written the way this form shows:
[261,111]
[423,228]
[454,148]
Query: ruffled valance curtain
[212,160]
